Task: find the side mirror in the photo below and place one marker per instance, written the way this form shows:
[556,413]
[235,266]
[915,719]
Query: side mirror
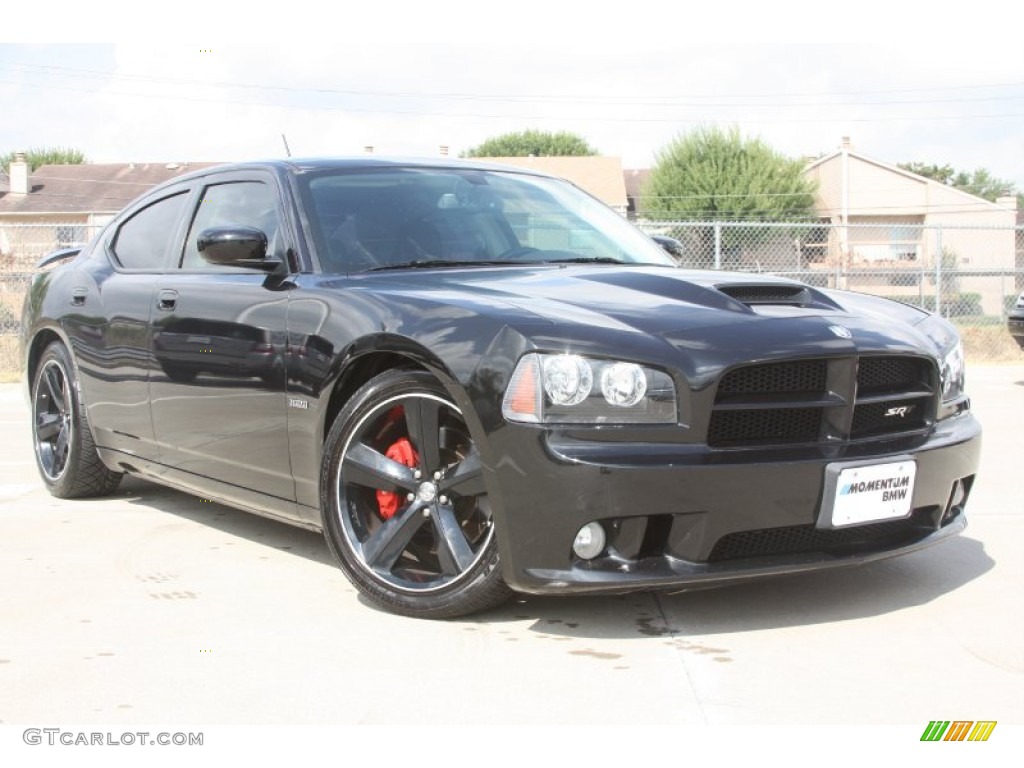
[670,244]
[235,246]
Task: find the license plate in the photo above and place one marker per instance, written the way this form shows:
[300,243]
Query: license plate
[867,493]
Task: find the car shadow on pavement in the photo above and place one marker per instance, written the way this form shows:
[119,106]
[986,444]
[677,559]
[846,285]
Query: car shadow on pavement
[235,522]
[786,601]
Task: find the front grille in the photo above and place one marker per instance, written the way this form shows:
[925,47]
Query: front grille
[787,425]
[806,539]
[889,416]
[887,374]
[804,376]
[805,401]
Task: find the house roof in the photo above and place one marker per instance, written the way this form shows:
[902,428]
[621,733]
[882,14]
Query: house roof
[974,199]
[599,175]
[89,188]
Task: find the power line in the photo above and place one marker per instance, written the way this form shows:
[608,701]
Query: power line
[146,184]
[598,98]
[507,116]
[187,167]
[857,210]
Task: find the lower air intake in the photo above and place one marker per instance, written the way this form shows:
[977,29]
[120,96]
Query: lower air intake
[806,539]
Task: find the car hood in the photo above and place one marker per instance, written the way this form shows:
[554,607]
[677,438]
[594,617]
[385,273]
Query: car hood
[664,302]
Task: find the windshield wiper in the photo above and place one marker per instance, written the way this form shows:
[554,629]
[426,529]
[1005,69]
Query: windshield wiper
[586,260]
[434,263]
[431,263]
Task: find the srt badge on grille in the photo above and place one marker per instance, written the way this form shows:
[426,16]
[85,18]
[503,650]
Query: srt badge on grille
[899,410]
[842,333]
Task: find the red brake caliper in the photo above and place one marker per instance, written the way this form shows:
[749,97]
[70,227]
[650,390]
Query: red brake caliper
[401,451]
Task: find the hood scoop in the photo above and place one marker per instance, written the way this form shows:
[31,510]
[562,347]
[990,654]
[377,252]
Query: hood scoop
[778,295]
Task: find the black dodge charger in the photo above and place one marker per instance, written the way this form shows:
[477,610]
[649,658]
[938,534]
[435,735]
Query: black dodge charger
[476,380]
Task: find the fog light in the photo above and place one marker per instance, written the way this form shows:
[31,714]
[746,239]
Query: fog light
[589,541]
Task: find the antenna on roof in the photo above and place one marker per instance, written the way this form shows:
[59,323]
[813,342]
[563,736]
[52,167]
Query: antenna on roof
[287,150]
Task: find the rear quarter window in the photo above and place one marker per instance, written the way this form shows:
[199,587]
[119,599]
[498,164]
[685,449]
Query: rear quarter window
[142,241]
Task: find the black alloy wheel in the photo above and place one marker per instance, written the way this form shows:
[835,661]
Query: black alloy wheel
[65,453]
[406,508]
[54,426]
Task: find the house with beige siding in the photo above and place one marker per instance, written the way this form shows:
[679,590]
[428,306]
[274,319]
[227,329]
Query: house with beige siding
[601,176]
[888,220]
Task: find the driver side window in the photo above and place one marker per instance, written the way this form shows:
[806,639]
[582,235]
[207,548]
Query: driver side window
[239,203]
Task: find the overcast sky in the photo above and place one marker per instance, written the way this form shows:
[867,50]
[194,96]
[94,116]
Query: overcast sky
[627,83]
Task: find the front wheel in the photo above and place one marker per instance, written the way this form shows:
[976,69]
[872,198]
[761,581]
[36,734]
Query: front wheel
[404,504]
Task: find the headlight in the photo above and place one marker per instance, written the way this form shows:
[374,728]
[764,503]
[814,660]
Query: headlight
[953,373]
[623,384]
[570,389]
[567,379]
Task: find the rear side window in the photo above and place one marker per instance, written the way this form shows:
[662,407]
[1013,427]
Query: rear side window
[142,241]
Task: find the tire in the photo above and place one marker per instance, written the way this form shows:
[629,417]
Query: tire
[275,377]
[65,452]
[181,375]
[433,555]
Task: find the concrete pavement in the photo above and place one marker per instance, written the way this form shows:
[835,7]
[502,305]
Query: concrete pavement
[155,606]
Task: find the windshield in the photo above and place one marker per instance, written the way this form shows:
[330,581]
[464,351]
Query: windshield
[393,218]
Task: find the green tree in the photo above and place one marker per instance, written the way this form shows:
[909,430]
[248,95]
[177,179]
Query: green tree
[532,143]
[979,182]
[983,184]
[940,173]
[715,174]
[38,156]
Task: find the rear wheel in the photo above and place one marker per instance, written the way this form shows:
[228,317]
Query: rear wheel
[405,507]
[65,452]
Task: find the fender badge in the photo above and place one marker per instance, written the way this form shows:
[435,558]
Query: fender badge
[297,402]
[842,333]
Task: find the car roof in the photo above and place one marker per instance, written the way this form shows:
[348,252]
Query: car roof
[299,166]
[316,164]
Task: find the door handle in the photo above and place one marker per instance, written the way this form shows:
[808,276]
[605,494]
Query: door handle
[167,300]
[78,296]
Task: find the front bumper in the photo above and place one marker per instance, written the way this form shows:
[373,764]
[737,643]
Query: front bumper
[684,516]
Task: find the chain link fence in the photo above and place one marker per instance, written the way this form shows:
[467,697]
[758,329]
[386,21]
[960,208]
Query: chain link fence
[21,247]
[970,274]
